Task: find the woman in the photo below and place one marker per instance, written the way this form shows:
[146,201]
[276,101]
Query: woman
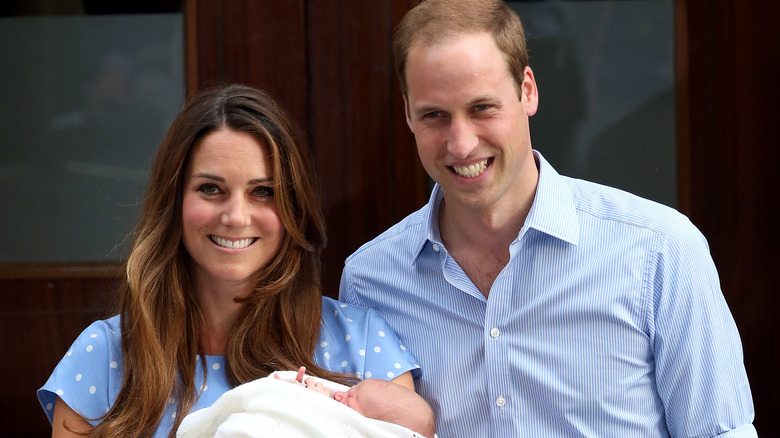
[222,282]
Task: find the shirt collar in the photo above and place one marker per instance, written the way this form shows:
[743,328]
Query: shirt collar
[430,232]
[552,212]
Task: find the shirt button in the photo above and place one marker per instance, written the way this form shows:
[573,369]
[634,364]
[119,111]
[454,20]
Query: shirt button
[500,401]
[494,332]
[436,247]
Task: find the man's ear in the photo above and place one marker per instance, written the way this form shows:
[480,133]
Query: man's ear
[529,92]
[406,113]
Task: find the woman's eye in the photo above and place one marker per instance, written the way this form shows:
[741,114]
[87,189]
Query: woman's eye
[263,191]
[208,189]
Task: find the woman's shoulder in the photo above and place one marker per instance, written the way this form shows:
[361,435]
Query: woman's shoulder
[108,325]
[356,326]
[358,341]
[90,373]
[105,332]
[337,312]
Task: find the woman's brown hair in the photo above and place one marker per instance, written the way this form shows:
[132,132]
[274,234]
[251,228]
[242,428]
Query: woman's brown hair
[278,325]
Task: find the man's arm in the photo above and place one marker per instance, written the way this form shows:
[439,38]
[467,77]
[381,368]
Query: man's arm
[700,372]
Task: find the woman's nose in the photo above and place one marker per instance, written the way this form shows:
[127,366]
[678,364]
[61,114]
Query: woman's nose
[236,213]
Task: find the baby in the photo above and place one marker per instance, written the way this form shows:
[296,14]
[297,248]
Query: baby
[272,407]
[380,400]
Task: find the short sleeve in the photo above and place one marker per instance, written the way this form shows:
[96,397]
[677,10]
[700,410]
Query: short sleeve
[358,341]
[89,375]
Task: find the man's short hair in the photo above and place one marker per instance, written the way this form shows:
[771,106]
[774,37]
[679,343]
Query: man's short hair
[434,21]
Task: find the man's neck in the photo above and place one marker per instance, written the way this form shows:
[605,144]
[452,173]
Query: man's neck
[479,238]
[490,228]
[480,242]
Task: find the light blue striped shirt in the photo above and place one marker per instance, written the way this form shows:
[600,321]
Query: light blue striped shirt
[608,321]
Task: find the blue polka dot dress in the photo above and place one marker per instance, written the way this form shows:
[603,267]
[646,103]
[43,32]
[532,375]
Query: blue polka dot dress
[352,340]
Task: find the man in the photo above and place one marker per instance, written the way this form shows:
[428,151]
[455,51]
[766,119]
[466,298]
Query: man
[536,304]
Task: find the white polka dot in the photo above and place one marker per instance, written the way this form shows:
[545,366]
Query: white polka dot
[390,374]
[93,335]
[377,349]
[78,377]
[173,415]
[324,344]
[204,388]
[357,374]
[368,374]
[397,365]
[215,367]
[89,348]
[336,312]
[381,333]
[349,320]
[362,352]
[171,400]
[402,347]
[59,392]
[113,364]
[92,389]
[347,338]
[327,355]
[344,364]
[49,406]
[343,305]
[70,352]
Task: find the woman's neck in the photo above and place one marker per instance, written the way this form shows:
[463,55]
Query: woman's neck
[219,311]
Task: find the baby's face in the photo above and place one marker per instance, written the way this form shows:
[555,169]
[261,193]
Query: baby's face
[363,393]
[348,398]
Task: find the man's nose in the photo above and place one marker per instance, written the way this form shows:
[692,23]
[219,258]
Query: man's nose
[462,138]
[236,213]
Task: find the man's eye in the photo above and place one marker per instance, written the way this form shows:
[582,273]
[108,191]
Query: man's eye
[481,107]
[208,189]
[263,191]
[432,115]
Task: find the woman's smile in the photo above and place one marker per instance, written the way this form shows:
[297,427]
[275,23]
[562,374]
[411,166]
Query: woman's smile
[232,243]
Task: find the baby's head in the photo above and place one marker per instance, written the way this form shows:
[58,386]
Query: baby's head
[390,402]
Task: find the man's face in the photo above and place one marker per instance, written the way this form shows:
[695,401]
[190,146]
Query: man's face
[470,125]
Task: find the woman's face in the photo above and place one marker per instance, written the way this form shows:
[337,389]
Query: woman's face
[230,224]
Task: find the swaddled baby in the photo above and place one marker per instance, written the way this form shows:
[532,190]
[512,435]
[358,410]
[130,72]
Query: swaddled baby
[272,406]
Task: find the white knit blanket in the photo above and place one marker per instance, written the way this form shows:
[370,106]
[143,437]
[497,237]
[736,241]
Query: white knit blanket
[269,407]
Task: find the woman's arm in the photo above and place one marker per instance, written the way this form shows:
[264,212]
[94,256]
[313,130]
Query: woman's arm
[64,414]
[405,379]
